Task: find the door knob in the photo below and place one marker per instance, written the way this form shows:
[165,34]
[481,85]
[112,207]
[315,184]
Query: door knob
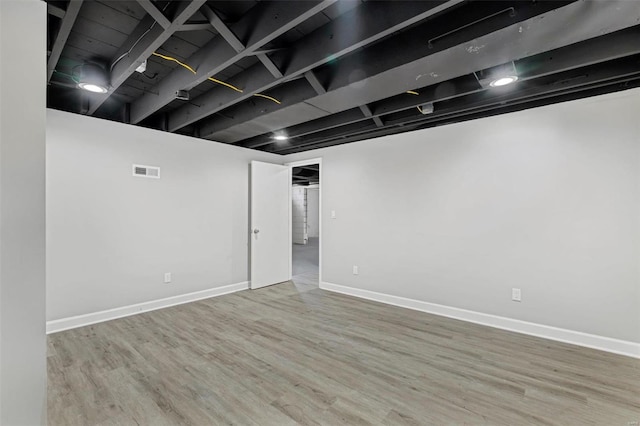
[255,231]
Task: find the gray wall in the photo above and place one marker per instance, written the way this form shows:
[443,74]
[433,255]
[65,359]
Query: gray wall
[22,212]
[299,215]
[546,200]
[111,236]
[313,210]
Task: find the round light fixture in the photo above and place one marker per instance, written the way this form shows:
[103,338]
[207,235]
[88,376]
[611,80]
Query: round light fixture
[93,78]
[281,137]
[503,81]
[92,87]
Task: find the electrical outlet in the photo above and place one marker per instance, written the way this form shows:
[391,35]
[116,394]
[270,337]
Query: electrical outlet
[355,270]
[167,277]
[516,295]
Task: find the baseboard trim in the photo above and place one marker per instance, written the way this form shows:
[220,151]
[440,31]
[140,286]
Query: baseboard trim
[620,347]
[125,311]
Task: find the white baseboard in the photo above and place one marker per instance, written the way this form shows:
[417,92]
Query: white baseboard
[125,311]
[621,347]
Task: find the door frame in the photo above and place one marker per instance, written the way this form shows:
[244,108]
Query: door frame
[291,165]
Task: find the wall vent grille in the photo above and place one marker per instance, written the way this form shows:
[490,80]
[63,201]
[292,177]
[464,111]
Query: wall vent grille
[146,171]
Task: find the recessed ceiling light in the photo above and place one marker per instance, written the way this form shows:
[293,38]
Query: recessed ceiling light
[93,78]
[92,87]
[503,81]
[281,137]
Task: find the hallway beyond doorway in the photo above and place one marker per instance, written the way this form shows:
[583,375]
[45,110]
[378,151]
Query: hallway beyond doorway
[305,262]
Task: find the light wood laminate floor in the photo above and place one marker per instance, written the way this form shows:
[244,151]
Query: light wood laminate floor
[295,354]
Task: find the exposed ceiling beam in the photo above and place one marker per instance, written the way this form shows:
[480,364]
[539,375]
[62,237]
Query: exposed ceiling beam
[591,51]
[535,35]
[315,83]
[155,13]
[366,62]
[313,167]
[378,121]
[234,41]
[222,28]
[367,113]
[501,108]
[596,76]
[301,130]
[547,87]
[265,51]
[598,50]
[335,39]
[146,38]
[194,26]
[362,94]
[55,11]
[262,24]
[68,19]
[269,65]
[296,91]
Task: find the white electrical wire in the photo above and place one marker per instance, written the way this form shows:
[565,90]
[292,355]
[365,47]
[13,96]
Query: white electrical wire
[129,51]
[136,43]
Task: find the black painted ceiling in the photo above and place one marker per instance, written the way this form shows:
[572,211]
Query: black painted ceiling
[330,72]
[306,175]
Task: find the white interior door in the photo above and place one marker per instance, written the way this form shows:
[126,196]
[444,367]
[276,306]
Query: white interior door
[270,239]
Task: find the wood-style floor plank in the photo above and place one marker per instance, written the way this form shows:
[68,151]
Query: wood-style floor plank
[294,354]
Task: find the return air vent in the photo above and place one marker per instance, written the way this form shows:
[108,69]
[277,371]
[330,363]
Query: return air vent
[146,171]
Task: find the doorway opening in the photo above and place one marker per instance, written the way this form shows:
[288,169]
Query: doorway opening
[305,222]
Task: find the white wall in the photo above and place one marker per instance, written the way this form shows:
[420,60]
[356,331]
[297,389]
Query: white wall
[546,200]
[22,212]
[111,236]
[313,212]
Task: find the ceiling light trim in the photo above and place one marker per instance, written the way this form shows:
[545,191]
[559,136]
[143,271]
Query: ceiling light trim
[504,81]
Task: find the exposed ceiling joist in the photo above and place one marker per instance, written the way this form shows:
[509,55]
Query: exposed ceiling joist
[195,26]
[269,65]
[605,48]
[265,51]
[371,60]
[68,19]
[54,10]
[146,39]
[499,108]
[337,38]
[331,72]
[367,113]
[155,13]
[262,24]
[324,123]
[533,36]
[591,51]
[222,28]
[306,175]
[234,41]
[315,83]
[575,81]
